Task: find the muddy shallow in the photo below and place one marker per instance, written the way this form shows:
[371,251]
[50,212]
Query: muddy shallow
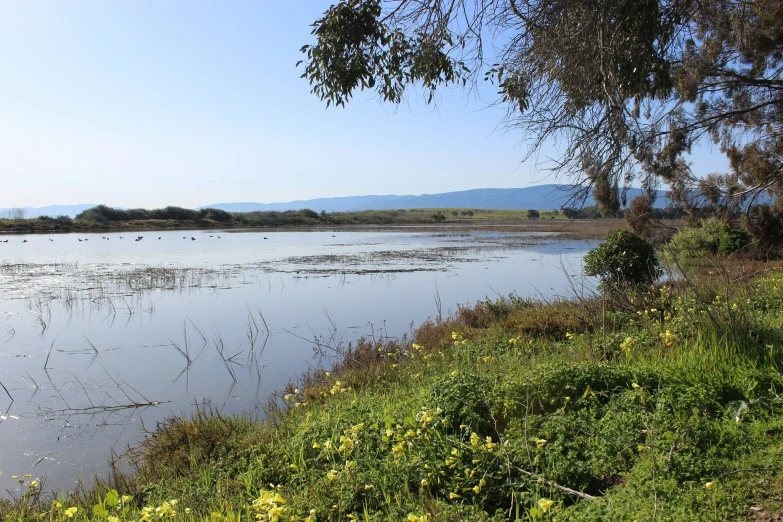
[101,337]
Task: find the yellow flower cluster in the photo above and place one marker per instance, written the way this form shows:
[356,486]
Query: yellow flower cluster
[270,505]
[458,338]
[338,388]
[349,439]
[164,510]
[668,338]
[476,442]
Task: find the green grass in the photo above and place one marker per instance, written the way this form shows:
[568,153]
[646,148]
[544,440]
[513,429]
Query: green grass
[661,405]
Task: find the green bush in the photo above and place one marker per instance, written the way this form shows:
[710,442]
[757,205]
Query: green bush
[730,240]
[711,238]
[625,259]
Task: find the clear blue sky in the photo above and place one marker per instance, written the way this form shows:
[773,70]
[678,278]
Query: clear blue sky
[147,103]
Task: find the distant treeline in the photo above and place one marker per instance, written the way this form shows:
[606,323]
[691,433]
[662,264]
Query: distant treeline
[105,214]
[104,217]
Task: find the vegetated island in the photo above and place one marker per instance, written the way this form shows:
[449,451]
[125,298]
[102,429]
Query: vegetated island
[645,400]
[102,218]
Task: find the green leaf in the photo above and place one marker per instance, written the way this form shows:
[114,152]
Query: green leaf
[112,497]
[100,511]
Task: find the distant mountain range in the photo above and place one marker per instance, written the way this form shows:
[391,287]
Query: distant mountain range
[51,210]
[540,197]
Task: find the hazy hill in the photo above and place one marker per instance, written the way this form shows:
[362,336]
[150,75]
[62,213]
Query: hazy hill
[51,210]
[541,197]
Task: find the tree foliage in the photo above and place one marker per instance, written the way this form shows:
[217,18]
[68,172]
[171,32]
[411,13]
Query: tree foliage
[628,87]
[625,259]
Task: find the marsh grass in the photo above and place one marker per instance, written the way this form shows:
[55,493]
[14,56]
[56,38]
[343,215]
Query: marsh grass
[663,404]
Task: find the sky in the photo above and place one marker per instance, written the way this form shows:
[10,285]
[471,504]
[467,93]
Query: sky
[148,103]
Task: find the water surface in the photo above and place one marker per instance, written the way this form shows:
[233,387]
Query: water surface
[103,337]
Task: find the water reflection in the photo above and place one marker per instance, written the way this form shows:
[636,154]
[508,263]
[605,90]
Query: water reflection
[102,339]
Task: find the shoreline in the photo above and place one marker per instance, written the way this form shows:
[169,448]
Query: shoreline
[595,409]
[580,229]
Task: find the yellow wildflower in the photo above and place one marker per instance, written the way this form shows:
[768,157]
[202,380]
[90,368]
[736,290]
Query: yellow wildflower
[71,511]
[709,485]
[545,504]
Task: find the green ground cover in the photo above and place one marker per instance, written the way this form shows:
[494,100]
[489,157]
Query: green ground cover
[662,403]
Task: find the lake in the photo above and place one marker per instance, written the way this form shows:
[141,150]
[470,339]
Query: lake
[103,335]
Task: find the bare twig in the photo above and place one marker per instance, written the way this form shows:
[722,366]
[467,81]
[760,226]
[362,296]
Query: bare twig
[565,489]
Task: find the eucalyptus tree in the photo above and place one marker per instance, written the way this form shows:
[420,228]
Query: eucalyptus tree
[626,87]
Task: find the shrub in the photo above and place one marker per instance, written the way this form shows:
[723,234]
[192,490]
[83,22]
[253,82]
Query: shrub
[712,237]
[624,259]
[215,214]
[533,214]
[730,240]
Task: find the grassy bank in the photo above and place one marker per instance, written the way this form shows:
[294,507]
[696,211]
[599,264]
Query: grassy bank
[106,219]
[664,404]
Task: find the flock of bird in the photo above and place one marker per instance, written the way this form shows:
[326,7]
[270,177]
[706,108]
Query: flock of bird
[138,238]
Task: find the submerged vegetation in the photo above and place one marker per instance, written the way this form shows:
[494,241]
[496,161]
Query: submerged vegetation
[654,402]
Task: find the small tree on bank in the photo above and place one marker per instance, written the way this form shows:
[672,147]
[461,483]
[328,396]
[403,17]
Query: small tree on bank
[624,260]
[533,214]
